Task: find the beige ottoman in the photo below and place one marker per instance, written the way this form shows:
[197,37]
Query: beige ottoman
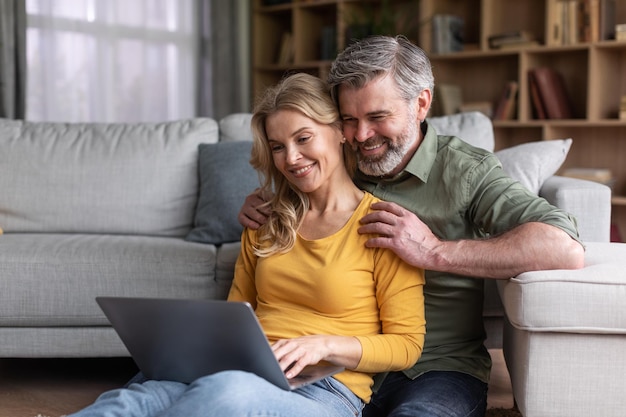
[565,337]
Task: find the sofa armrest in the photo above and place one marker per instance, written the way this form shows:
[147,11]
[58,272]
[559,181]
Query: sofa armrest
[588,201]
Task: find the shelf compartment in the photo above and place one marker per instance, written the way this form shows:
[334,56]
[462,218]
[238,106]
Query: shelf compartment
[468,10]
[270,26]
[608,81]
[595,146]
[311,19]
[509,16]
[572,62]
[464,69]
[509,134]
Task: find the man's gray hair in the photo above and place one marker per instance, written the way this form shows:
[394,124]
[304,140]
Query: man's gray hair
[374,56]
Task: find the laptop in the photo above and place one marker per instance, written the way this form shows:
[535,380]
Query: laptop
[183,340]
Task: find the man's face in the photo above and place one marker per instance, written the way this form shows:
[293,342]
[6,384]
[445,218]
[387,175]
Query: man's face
[381,126]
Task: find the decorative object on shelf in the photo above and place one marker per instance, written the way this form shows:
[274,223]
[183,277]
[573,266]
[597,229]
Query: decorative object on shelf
[328,43]
[447,34]
[552,93]
[620,32]
[447,99]
[507,105]
[484,107]
[367,22]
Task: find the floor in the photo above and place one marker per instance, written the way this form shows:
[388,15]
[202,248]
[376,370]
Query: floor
[55,387]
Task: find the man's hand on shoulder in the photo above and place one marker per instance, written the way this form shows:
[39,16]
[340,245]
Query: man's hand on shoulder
[253,213]
[403,232]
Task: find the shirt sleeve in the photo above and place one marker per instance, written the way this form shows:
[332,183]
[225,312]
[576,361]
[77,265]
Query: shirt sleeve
[499,203]
[400,297]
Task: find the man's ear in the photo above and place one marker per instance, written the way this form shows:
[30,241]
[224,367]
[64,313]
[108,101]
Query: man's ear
[423,103]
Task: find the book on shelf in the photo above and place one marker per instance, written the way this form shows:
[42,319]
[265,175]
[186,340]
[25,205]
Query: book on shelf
[607,19]
[539,112]
[553,94]
[447,99]
[581,21]
[511,39]
[286,52]
[447,34]
[505,109]
[622,108]
[518,45]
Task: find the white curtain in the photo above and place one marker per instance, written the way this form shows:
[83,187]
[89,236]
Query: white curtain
[111,60]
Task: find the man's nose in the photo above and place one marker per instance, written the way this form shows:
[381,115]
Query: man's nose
[363,132]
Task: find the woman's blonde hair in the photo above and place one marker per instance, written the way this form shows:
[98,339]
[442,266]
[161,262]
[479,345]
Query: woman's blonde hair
[310,96]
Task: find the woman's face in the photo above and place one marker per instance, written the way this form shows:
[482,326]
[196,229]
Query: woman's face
[307,153]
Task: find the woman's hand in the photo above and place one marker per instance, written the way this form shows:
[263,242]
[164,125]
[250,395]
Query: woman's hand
[294,354]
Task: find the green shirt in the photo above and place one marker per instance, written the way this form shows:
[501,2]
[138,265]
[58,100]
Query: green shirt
[460,192]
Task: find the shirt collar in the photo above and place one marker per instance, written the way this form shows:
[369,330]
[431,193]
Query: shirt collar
[424,158]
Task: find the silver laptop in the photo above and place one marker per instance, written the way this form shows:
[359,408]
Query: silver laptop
[182,340]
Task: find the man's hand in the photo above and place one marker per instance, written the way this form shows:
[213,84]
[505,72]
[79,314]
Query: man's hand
[401,231]
[253,214]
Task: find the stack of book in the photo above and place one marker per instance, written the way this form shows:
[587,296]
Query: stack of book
[548,94]
[580,21]
[512,40]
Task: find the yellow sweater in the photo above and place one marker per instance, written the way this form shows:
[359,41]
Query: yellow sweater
[337,286]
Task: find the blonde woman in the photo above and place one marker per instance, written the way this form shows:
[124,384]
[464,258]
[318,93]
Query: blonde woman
[320,295]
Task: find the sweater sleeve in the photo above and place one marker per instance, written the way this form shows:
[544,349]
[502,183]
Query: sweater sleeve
[243,287]
[400,297]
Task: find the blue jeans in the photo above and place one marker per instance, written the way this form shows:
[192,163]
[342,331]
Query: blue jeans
[433,394]
[229,393]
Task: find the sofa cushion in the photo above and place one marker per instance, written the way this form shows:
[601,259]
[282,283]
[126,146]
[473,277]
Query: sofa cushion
[532,163]
[101,178]
[226,178]
[53,279]
[472,127]
[236,127]
[587,300]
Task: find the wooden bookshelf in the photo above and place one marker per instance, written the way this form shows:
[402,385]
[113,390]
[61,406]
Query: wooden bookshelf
[594,72]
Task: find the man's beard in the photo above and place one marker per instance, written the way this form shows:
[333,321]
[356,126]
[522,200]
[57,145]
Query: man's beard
[383,165]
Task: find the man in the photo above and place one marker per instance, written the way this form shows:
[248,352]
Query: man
[451,210]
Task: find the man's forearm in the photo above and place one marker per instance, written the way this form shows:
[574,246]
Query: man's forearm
[529,247]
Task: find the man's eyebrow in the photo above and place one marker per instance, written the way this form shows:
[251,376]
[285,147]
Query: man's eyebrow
[375,113]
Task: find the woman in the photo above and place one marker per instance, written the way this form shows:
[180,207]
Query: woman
[320,295]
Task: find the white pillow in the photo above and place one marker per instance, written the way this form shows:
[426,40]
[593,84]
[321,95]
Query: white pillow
[533,163]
